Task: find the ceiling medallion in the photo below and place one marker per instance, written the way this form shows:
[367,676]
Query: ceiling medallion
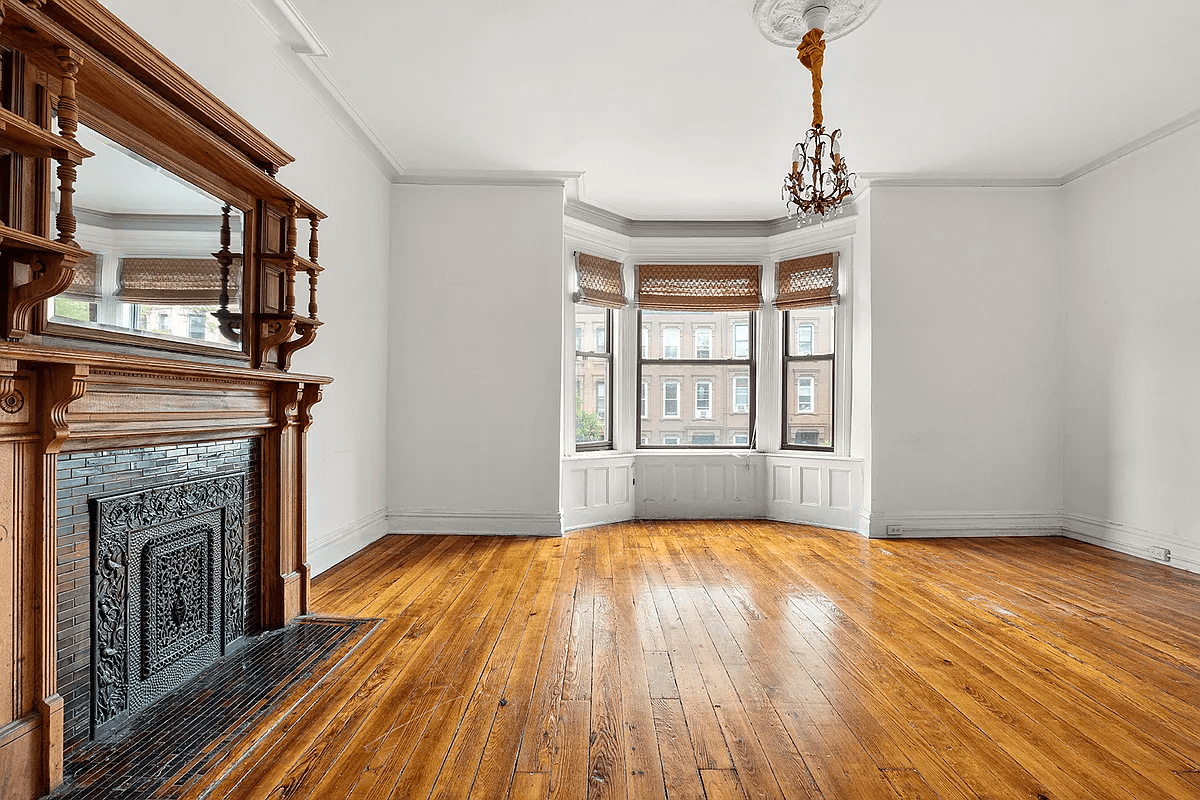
[782,21]
[820,182]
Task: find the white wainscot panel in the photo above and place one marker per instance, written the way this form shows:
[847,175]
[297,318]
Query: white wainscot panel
[815,490]
[810,486]
[620,482]
[839,489]
[781,483]
[699,485]
[598,484]
[597,489]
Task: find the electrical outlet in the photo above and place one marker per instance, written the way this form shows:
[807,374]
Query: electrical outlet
[895,530]
[1160,553]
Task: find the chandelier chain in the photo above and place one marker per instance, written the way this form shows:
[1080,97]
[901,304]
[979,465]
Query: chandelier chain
[811,53]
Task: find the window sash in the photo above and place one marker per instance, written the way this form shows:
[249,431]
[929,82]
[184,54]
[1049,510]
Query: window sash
[741,394]
[741,340]
[747,361]
[804,339]
[603,394]
[817,361]
[670,337]
[670,396]
[704,399]
[703,342]
[805,392]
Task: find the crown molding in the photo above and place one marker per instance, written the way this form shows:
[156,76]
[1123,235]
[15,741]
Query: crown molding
[302,52]
[917,180]
[488,177]
[1133,145]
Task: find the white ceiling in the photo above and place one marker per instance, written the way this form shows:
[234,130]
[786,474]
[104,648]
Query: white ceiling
[680,109]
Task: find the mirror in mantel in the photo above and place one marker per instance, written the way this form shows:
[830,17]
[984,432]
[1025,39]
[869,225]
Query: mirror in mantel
[168,255]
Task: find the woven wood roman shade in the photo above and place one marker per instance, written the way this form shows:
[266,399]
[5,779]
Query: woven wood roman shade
[807,282]
[173,281]
[699,287]
[86,285]
[600,281]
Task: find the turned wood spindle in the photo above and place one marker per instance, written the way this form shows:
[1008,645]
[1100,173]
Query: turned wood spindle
[313,221]
[312,237]
[312,294]
[68,123]
[290,303]
[225,257]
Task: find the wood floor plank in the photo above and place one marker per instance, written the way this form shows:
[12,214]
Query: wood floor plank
[569,777]
[530,786]
[722,784]
[657,660]
[681,779]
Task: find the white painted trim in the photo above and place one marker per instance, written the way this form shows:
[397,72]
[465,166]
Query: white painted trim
[915,180]
[1132,540]
[301,51]
[338,545]
[488,177]
[936,524]
[1132,146]
[474,523]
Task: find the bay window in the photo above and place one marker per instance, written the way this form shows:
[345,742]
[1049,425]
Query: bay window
[808,294]
[599,290]
[716,306]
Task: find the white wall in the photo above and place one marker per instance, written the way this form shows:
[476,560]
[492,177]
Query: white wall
[1132,349]
[223,45]
[966,360]
[476,359]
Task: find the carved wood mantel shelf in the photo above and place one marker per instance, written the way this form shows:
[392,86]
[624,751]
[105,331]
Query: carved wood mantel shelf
[71,75]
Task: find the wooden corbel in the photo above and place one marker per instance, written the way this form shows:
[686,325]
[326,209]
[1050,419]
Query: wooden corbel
[1,12]
[52,274]
[307,328]
[63,385]
[309,397]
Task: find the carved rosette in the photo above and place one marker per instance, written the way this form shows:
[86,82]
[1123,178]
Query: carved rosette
[782,21]
[175,582]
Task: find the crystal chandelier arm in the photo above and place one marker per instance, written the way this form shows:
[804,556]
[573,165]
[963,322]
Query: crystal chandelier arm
[811,53]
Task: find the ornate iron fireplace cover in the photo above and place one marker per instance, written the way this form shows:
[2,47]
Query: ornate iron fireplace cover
[168,590]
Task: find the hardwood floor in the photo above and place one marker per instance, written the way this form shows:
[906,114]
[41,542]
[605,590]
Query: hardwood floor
[746,660]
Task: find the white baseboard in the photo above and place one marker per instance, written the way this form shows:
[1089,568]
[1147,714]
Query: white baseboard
[474,523]
[344,542]
[965,523]
[1132,540]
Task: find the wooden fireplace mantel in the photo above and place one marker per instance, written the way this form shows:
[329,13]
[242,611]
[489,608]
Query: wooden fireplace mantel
[67,389]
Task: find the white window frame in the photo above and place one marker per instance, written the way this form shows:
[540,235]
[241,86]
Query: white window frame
[678,341]
[677,385]
[599,338]
[703,413]
[812,334]
[743,437]
[736,352]
[645,342]
[713,434]
[696,335]
[601,399]
[645,408]
[812,394]
[740,408]
[579,338]
[668,437]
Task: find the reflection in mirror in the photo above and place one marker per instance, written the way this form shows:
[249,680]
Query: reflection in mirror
[168,255]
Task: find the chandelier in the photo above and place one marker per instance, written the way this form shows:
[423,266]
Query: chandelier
[820,182]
